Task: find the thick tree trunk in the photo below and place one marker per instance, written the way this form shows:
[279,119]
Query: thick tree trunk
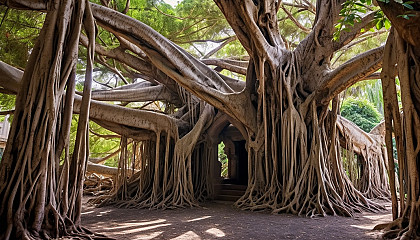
[402,58]
[34,194]
[292,138]
[406,214]
[294,160]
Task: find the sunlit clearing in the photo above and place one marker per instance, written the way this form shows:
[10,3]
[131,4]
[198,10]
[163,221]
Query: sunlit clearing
[136,224]
[374,220]
[134,230]
[87,212]
[198,219]
[103,212]
[216,232]
[188,235]
[366,227]
[148,236]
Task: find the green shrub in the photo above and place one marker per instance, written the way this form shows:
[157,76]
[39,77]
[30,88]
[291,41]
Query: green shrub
[361,112]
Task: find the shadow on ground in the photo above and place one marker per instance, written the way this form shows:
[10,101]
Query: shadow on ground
[220,220]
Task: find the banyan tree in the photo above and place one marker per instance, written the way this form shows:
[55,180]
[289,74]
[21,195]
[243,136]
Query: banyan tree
[286,113]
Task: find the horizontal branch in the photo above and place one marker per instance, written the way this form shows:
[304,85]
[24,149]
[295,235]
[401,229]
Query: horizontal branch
[2,113]
[179,65]
[225,65]
[25,4]
[103,159]
[142,119]
[153,93]
[348,36]
[11,78]
[101,169]
[352,71]
[129,132]
[360,140]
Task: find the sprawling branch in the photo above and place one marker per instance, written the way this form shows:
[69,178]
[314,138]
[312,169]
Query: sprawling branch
[189,72]
[25,5]
[348,36]
[242,17]
[354,70]
[10,77]
[216,49]
[119,54]
[131,117]
[101,111]
[101,169]
[226,64]
[361,140]
[153,93]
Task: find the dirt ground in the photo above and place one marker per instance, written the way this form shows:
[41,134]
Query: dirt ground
[221,220]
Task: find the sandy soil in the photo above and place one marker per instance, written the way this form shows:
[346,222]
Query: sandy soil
[220,220]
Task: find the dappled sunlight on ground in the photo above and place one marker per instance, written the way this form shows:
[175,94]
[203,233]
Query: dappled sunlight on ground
[222,221]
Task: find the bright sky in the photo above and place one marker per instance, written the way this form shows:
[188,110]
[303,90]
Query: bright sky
[172,2]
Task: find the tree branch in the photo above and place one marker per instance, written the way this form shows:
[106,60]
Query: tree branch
[225,65]
[176,63]
[295,21]
[10,77]
[131,117]
[153,93]
[352,71]
[216,49]
[25,5]
[347,37]
[361,140]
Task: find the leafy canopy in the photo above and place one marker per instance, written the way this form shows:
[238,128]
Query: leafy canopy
[362,112]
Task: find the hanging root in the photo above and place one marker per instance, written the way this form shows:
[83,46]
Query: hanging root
[170,170]
[294,161]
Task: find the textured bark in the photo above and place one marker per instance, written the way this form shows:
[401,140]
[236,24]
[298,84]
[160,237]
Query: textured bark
[405,215]
[368,171]
[293,151]
[293,145]
[35,193]
[402,58]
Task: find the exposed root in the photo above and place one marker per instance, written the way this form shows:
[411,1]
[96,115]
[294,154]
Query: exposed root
[172,173]
[295,165]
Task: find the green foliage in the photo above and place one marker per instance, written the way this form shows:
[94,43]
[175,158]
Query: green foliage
[361,112]
[101,147]
[353,10]
[288,29]
[18,33]
[351,13]
[370,90]
[98,146]
[7,102]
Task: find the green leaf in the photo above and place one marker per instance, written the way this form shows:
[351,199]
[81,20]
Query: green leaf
[408,6]
[379,24]
[404,16]
[387,24]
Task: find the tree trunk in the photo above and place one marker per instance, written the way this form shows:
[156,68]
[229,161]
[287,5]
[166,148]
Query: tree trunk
[402,58]
[35,195]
